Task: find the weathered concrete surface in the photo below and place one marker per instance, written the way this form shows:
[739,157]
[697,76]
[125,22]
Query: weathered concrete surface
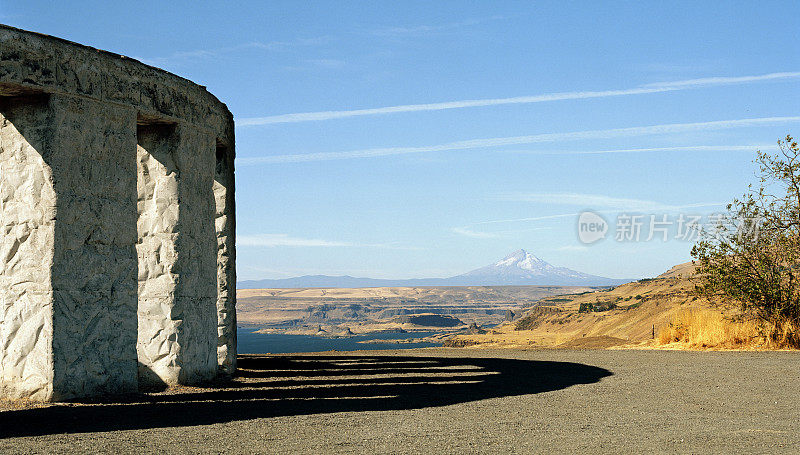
[31,61]
[27,226]
[177,255]
[68,248]
[225,224]
[94,261]
[117,223]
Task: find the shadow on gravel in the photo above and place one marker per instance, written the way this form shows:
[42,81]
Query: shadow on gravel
[272,386]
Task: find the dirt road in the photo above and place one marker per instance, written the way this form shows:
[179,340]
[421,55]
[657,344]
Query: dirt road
[447,401]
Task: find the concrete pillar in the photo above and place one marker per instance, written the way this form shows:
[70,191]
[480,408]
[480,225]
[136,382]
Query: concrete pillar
[27,225]
[197,247]
[68,219]
[226,258]
[177,255]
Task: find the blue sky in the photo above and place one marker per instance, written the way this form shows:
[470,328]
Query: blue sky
[674,97]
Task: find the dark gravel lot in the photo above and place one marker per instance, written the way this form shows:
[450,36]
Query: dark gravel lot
[447,401]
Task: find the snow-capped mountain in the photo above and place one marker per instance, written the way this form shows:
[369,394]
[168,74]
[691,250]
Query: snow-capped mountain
[521,267]
[518,268]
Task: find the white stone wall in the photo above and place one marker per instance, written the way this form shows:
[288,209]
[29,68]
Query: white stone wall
[226,258]
[177,255]
[158,343]
[27,225]
[92,156]
[117,252]
[68,216]
[197,245]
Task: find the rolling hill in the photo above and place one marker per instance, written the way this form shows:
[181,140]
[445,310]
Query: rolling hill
[627,314]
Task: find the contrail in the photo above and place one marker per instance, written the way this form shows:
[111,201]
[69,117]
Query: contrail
[688,148]
[517,140]
[643,89]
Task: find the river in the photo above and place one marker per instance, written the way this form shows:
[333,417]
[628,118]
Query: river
[261,343]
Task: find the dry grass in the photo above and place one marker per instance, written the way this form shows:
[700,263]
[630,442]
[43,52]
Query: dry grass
[706,328]
[667,302]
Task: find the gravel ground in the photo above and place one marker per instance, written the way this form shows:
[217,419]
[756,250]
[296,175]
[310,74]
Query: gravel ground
[446,401]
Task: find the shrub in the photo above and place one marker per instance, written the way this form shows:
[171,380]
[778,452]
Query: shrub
[752,257]
[596,307]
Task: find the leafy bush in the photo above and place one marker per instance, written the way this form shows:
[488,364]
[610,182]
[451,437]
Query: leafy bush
[596,307]
[752,256]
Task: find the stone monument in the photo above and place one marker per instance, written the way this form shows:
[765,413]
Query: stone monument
[117,224]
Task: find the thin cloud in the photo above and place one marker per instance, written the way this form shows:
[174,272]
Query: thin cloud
[467,232]
[421,30]
[285,240]
[582,200]
[690,148]
[596,201]
[275,240]
[723,80]
[609,204]
[532,218]
[669,128]
[473,234]
[657,87]
[220,51]
[470,232]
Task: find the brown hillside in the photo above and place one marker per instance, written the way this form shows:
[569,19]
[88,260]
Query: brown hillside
[627,314]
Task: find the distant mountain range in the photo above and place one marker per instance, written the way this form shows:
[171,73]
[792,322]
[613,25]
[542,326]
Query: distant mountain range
[519,268]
